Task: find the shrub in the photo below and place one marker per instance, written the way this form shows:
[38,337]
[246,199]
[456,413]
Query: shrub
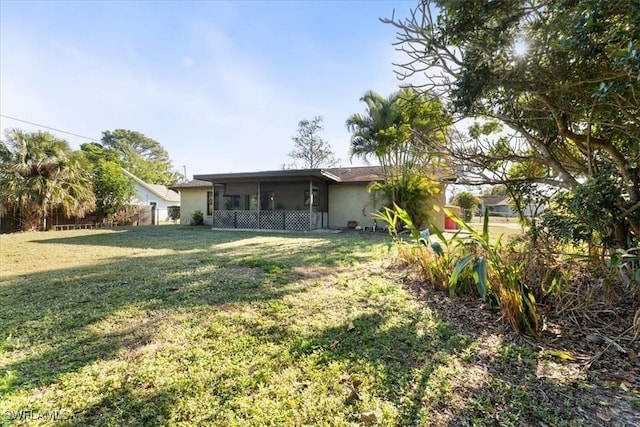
[174,213]
[467,202]
[592,214]
[410,192]
[197,218]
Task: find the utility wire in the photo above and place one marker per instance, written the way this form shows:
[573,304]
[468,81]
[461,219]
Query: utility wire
[50,128]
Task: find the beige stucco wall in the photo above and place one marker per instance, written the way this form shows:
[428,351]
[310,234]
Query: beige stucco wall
[438,217]
[349,202]
[191,200]
[353,202]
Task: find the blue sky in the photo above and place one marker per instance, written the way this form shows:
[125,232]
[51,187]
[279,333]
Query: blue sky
[220,84]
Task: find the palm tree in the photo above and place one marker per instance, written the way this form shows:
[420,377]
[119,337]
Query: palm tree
[372,133]
[39,173]
[398,131]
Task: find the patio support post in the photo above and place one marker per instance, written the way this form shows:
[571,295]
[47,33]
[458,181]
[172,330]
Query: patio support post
[310,202]
[213,205]
[259,205]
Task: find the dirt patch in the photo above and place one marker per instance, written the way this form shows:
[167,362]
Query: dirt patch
[559,371]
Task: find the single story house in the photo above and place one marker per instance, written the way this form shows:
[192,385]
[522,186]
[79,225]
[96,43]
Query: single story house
[289,199]
[501,206]
[496,205]
[157,196]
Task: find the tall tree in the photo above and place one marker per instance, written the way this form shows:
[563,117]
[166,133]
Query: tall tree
[563,75]
[112,189]
[398,131]
[467,202]
[142,156]
[377,131]
[39,173]
[309,147]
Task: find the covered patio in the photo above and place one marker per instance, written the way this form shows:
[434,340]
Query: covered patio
[272,200]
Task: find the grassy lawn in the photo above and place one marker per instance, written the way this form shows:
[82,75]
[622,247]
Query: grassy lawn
[180,325]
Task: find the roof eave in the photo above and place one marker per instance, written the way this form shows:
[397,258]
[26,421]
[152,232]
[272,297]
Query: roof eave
[147,186]
[273,175]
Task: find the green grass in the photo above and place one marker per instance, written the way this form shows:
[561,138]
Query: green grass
[183,326]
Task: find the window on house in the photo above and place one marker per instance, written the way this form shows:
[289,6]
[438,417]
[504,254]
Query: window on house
[212,202]
[314,198]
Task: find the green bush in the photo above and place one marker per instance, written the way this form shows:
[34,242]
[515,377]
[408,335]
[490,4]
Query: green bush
[412,193]
[467,202]
[592,214]
[197,218]
[174,213]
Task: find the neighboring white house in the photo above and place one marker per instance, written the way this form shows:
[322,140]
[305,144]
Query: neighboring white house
[501,206]
[155,195]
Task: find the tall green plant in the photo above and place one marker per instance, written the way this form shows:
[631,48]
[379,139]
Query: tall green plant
[426,256]
[471,255]
[398,132]
[517,302]
[410,192]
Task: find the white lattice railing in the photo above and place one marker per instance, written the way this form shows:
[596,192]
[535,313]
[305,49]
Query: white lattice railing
[269,220]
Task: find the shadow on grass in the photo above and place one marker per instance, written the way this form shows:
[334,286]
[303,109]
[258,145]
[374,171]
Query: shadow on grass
[345,248]
[61,312]
[404,357]
[127,406]
[179,238]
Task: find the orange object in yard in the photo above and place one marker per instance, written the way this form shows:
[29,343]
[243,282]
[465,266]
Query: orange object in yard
[449,224]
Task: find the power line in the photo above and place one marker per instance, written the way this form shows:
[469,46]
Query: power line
[70,133]
[50,128]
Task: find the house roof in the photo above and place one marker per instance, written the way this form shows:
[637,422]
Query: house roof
[277,175]
[331,175]
[495,200]
[194,183]
[358,174]
[159,190]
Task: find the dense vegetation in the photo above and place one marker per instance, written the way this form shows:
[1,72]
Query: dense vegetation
[397,131]
[40,174]
[552,87]
[563,76]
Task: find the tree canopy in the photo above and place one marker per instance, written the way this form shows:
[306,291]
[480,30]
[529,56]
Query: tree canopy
[398,132]
[562,75]
[40,173]
[466,200]
[142,156]
[113,190]
[309,147]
